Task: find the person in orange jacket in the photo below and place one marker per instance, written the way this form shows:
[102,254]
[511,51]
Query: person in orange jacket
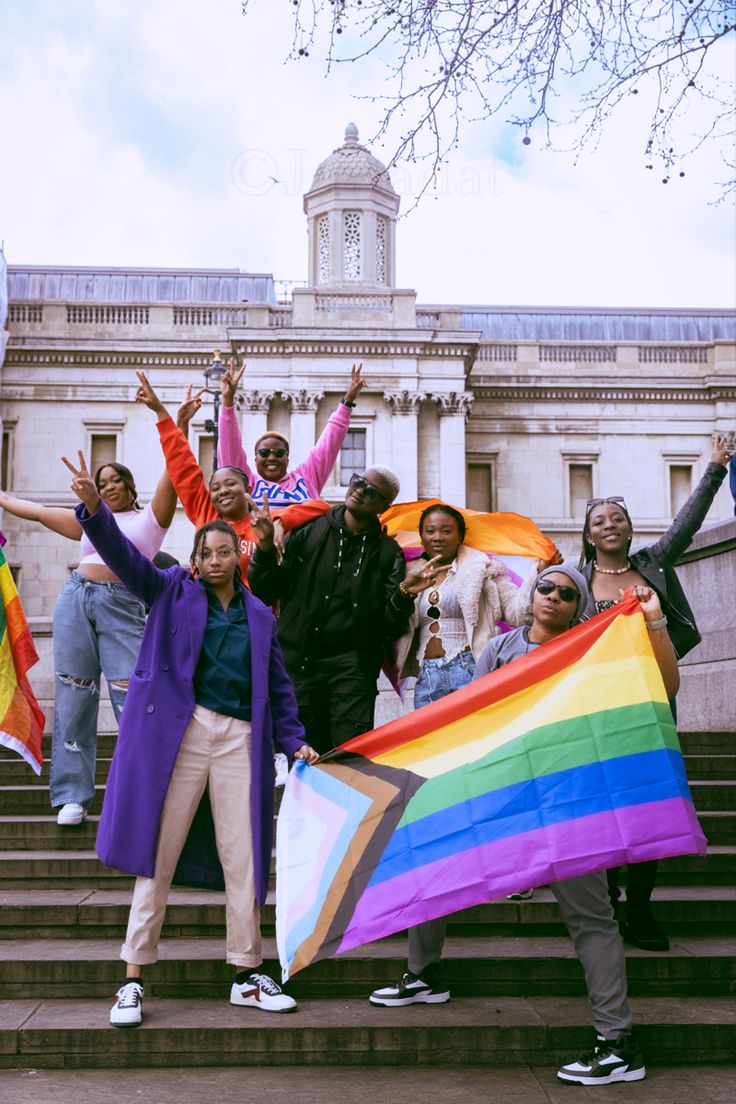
[227,495]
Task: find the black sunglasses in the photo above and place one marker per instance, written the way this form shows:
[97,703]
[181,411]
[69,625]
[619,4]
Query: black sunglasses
[264,453]
[358,483]
[567,593]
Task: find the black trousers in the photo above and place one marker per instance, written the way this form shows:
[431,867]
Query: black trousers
[640,879]
[336,699]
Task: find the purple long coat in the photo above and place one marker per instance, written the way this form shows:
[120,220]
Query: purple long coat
[159,705]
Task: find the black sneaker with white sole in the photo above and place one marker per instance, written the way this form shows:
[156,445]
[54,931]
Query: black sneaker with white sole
[610,1061]
[432,988]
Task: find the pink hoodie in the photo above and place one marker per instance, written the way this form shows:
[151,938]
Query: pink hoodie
[302,483]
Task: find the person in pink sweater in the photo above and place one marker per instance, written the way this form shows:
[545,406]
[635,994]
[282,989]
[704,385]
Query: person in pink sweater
[271,477]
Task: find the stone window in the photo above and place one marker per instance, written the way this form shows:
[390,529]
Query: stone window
[103,449]
[6,462]
[481,485]
[206,453]
[323,249]
[381,266]
[580,479]
[681,485]
[353,455]
[351,245]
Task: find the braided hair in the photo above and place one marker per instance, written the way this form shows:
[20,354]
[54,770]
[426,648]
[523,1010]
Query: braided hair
[217,526]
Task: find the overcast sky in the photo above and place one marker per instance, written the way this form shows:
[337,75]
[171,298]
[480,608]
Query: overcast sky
[145,133]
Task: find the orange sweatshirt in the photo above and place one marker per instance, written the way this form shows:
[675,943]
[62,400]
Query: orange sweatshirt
[191,487]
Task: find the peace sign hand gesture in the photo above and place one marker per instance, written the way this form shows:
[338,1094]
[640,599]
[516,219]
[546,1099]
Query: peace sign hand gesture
[230,380]
[146,395]
[262,522]
[421,580]
[189,408]
[357,383]
[83,484]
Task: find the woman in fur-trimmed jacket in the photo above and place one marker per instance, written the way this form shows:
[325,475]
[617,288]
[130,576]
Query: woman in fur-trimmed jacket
[461,595]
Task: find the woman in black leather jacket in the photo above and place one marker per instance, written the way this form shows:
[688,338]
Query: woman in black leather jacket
[610,568]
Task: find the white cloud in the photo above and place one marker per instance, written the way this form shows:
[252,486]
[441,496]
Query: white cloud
[145,134]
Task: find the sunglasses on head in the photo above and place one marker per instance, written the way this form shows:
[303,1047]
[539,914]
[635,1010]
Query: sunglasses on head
[279,453]
[600,501]
[358,483]
[567,593]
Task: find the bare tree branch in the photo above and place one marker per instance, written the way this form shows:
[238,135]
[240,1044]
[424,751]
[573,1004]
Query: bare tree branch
[559,67]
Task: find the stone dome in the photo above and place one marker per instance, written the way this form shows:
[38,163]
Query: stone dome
[351,163]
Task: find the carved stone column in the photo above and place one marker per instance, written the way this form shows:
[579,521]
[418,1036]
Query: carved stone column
[405,448]
[454,409]
[302,426]
[253,406]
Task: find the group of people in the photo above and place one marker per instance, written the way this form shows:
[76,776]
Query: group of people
[205,680]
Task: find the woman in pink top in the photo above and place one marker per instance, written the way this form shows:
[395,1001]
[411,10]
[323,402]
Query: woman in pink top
[271,477]
[98,625]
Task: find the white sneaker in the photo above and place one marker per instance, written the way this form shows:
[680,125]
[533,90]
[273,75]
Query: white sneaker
[71,813]
[261,991]
[128,1009]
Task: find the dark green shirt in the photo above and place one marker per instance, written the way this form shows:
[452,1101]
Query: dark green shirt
[222,678]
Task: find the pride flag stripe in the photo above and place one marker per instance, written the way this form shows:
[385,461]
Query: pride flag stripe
[555,747]
[557,851]
[534,803]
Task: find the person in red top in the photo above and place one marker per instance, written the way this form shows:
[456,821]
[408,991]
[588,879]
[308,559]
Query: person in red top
[227,494]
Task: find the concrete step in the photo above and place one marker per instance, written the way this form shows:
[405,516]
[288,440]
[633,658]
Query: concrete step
[82,867]
[34,800]
[706,743]
[49,869]
[712,767]
[18,773]
[491,966]
[37,833]
[93,913]
[74,1034]
[709,796]
[468,1084]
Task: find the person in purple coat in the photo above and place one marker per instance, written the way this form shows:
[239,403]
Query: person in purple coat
[190,792]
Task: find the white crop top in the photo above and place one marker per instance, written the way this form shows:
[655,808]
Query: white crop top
[139,526]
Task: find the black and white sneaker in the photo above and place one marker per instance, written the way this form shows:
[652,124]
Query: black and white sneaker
[261,991]
[430,989]
[128,1009]
[610,1060]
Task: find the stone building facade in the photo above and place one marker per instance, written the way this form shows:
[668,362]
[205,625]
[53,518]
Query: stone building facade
[524,409]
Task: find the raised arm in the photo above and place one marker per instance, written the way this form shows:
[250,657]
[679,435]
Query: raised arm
[692,515]
[163,502]
[133,569]
[185,473]
[56,518]
[230,451]
[321,460]
[268,578]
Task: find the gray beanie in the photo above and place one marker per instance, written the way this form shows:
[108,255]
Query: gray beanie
[576,577]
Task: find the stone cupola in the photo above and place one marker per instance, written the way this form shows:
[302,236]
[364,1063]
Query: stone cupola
[351,208]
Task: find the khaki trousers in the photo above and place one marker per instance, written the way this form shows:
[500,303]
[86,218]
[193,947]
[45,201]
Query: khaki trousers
[214,752]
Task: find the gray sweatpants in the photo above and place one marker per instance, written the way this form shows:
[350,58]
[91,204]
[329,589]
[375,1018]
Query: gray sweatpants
[587,911]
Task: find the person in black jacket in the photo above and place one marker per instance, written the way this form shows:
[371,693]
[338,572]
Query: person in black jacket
[609,567]
[339,584]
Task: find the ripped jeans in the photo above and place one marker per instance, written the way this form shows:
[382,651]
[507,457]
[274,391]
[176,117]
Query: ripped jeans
[97,629]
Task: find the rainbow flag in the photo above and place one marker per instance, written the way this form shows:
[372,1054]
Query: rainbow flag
[563,762]
[21,719]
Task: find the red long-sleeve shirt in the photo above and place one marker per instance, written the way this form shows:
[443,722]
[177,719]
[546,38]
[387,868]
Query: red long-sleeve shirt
[191,487]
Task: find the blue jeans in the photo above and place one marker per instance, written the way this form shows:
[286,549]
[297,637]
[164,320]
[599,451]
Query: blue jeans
[439,677]
[97,629]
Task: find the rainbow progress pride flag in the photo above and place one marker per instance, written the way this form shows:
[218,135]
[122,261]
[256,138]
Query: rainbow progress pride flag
[563,762]
[21,719]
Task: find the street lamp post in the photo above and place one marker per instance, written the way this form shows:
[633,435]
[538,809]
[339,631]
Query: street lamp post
[212,376]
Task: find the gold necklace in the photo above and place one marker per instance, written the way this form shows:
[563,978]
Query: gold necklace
[612,570]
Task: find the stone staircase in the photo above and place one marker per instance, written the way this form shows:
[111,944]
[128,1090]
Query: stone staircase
[518,993]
